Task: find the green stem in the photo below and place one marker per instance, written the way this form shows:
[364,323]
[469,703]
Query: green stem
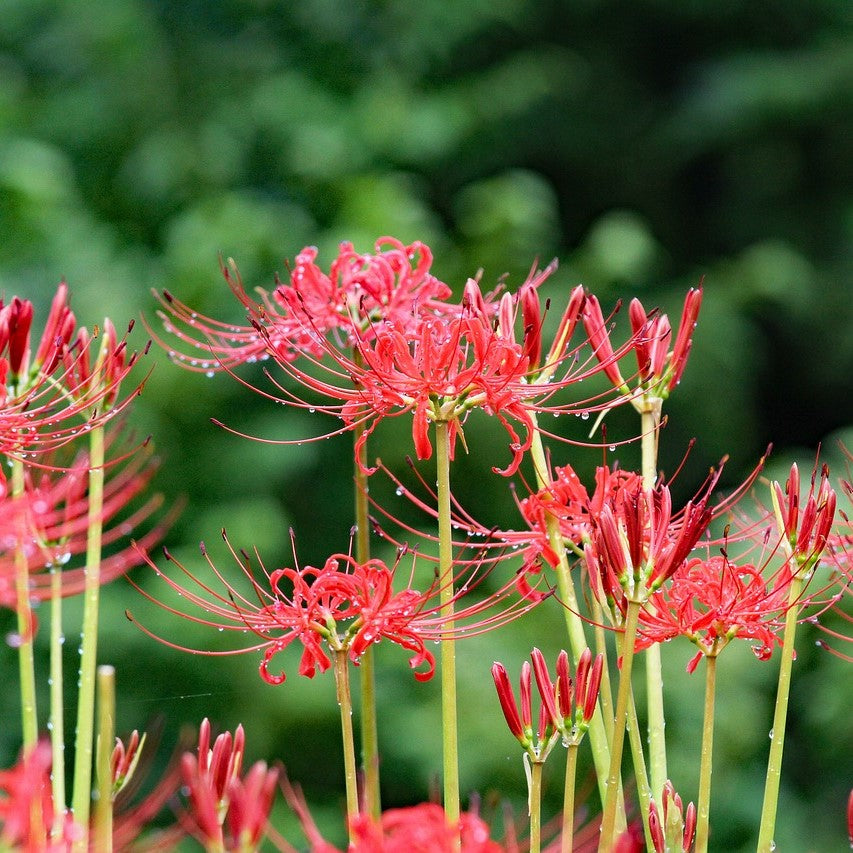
[26,661]
[367,677]
[450,746]
[608,821]
[57,713]
[644,794]
[535,806]
[605,694]
[704,807]
[568,834]
[777,733]
[598,737]
[650,426]
[81,800]
[345,704]
[103,823]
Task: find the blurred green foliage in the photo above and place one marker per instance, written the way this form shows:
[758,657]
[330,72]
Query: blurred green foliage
[644,144]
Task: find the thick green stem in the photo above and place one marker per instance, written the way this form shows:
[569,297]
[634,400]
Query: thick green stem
[57,713]
[103,824]
[777,733]
[598,736]
[650,426]
[26,661]
[535,806]
[644,794]
[704,807]
[345,704]
[450,747]
[81,800]
[568,834]
[608,821]
[369,729]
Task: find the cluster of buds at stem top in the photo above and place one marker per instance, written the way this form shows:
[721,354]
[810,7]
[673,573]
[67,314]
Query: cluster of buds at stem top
[659,368]
[637,542]
[804,532]
[675,833]
[218,791]
[124,760]
[15,324]
[565,710]
[527,298]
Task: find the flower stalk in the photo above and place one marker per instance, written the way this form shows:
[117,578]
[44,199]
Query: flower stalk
[103,822]
[450,746]
[25,621]
[704,806]
[608,821]
[81,798]
[342,691]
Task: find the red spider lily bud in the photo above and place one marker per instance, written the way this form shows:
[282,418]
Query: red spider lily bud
[532,318]
[506,317]
[564,685]
[566,329]
[689,827]
[582,674]
[19,317]
[525,697]
[592,688]
[599,338]
[57,331]
[124,760]
[250,803]
[684,338]
[507,700]
[546,688]
[656,828]
[472,299]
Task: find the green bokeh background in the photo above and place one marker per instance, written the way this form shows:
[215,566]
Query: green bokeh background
[646,145]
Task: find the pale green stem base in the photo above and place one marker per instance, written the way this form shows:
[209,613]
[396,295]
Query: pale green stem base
[57,712]
[81,800]
[450,747]
[535,805]
[26,661]
[703,810]
[103,824]
[568,833]
[345,703]
[650,426]
[608,821]
[777,734]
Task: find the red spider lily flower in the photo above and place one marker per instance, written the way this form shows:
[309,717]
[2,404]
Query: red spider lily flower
[806,533]
[659,367]
[124,760]
[45,403]
[345,605]
[47,524]
[439,372]
[27,808]
[392,283]
[637,541]
[711,602]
